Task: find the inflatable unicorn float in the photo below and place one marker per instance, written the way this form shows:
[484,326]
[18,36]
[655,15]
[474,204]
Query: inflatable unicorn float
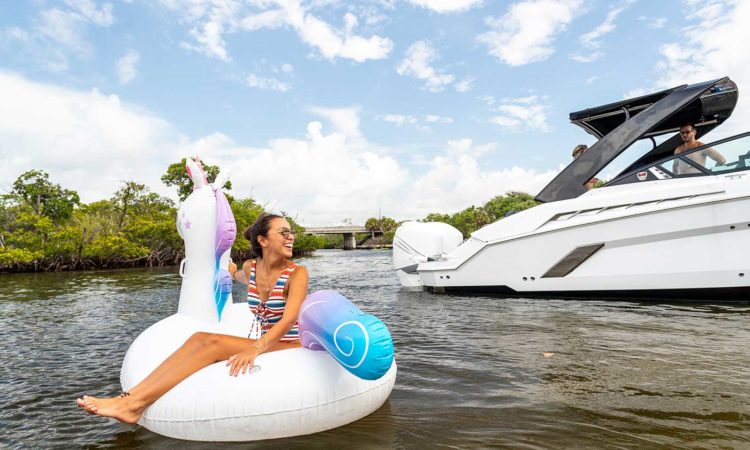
[344,371]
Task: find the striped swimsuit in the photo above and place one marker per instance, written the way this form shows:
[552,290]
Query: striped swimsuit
[269,313]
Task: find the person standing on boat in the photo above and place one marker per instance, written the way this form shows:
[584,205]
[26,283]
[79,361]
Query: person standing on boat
[688,133]
[579,150]
[276,289]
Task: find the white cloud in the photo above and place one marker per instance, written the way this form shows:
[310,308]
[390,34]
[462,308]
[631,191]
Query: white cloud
[337,44]
[400,119]
[586,58]
[592,79]
[320,170]
[267,19]
[464,85]
[458,179]
[526,32]
[432,118]
[209,23]
[58,34]
[65,28]
[287,68]
[127,67]
[91,142]
[344,121]
[637,92]
[694,58]
[87,141]
[421,123]
[654,22]
[488,100]
[326,176]
[446,6]
[417,63]
[266,83]
[591,40]
[102,17]
[521,114]
[12,34]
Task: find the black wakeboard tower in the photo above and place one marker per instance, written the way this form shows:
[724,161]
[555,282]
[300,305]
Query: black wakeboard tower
[618,125]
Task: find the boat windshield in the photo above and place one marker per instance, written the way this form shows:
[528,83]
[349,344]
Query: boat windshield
[727,155]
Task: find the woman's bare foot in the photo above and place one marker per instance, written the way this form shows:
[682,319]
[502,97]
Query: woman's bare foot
[123,408]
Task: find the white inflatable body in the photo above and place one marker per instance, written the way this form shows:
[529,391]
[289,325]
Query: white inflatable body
[289,393]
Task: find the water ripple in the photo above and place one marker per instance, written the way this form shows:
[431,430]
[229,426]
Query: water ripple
[474,372]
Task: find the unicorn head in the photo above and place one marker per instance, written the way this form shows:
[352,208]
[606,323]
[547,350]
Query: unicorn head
[206,224]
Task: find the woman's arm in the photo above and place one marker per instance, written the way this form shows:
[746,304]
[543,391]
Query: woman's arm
[296,294]
[241,275]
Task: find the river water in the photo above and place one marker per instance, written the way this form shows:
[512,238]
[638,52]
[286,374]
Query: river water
[473,372]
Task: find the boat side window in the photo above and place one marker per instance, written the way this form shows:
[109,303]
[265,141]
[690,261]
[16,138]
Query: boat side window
[699,161]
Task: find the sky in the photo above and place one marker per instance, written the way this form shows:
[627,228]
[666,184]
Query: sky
[331,110]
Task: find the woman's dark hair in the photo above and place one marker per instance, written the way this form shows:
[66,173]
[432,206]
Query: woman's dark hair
[259,228]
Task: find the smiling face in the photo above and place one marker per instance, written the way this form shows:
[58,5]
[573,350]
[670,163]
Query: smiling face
[279,239]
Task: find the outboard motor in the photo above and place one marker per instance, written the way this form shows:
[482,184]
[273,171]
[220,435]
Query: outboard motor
[418,242]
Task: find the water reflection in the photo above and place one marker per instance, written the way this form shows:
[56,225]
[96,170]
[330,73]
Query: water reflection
[473,371]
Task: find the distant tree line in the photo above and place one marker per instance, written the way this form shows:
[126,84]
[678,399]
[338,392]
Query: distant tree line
[466,221]
[45,227]
[475,217]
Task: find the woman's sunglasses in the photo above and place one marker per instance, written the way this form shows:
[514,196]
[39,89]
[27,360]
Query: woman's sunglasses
[286,232]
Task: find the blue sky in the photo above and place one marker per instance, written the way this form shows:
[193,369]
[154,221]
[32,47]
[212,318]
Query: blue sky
[332,109]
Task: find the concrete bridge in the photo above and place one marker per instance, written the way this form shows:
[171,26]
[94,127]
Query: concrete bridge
[348,231]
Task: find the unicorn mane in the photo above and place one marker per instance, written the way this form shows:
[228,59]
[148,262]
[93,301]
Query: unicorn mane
[225,229]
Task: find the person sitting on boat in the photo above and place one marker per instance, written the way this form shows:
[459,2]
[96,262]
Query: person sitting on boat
[688,133]
[579,150]
[276,289]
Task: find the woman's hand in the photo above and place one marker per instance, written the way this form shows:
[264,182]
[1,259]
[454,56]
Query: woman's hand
[232,268]
[243,361]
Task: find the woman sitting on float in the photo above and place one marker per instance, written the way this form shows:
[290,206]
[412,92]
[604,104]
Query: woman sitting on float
[276,290]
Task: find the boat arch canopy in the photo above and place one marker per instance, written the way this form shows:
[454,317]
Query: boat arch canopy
[618,125]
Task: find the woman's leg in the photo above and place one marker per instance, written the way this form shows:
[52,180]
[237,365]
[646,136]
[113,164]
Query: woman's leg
[199,351]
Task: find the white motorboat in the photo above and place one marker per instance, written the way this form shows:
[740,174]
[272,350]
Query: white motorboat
[665,227]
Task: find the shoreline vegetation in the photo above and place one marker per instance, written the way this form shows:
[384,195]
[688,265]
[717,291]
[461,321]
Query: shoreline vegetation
[45,227]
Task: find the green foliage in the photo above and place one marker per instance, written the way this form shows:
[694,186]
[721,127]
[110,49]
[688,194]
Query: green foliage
[470,219]
[128,199]
[44,226]
[176,175]
[332,241]
[385,225]
[499,206]
[12,256]
[155,233]
[305,243]
[475,217]
[33,188]
[245,211]
[64,241]
[114,246]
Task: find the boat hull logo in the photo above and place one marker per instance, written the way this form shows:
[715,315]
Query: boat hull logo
[642,176]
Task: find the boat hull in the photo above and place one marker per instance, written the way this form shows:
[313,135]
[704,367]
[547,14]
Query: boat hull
[690,247]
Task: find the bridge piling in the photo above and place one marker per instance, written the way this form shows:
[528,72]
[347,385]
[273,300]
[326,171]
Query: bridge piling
[350,241]
[349,232]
